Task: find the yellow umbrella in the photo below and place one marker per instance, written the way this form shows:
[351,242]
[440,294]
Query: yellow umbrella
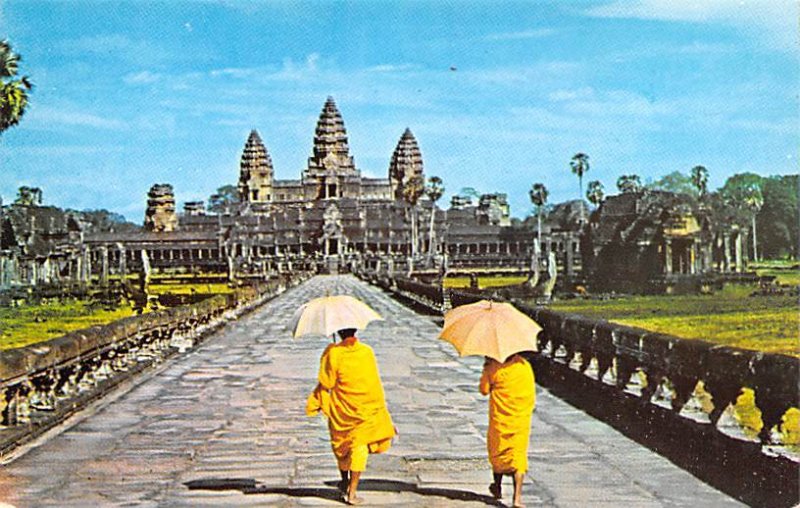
[496,330]
[329,314]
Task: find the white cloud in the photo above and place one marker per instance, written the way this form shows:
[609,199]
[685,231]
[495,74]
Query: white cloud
[522,35]
[311,61]
[392,68]
[46,117]
[569,95]
[64,150]
[773,22]
[142,78]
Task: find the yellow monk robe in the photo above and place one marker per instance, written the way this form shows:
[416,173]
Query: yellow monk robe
[350,394]
[512,397]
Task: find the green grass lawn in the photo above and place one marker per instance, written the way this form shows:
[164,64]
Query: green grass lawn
[484,282]
[784,270]
[28,324]
[730,316]
[183,288]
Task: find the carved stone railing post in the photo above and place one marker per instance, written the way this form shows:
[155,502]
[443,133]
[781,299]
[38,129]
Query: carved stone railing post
[727,372]
[43,397]
[685,367]
[775,382]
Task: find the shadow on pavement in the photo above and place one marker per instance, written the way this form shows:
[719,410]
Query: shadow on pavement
[251,486]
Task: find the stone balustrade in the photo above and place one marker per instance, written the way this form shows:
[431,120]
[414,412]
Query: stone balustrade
[42,384]
[651,387]
[669,367]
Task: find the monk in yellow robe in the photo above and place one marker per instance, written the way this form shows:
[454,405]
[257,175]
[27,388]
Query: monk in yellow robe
[512,397]
[350,394]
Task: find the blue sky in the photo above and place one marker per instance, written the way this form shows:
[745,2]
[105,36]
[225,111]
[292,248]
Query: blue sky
[134,93]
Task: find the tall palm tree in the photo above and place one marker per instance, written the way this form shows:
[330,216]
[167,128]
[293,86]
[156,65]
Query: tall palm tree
[412,191]
[754,200]
[434,190]
[13,90]
[595,192]
[700,179]
[538,195]
[580,166]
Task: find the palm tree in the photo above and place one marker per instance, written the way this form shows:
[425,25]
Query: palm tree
[538,195]
[629,183]
[13,90]
[580,165]
[434,191]
[595,192]
[700,179]
[754,200]
[412,191]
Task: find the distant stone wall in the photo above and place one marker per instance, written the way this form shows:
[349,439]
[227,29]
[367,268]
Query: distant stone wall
[42,384]
[643,383]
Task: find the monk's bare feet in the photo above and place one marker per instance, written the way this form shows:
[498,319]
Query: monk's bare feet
[496,491]
[353,500]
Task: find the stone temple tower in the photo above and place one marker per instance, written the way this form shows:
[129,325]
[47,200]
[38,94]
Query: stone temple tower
[331,153]
[160,213]
[406,163]
[255,176]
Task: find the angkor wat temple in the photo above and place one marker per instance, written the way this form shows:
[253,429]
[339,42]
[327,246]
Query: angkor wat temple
[333,218]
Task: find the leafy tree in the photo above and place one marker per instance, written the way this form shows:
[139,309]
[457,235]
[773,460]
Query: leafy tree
[699,178]
[742,192]
[434,190]
[106,221]
[29,196]
[595,192]
[225,197]
[779,218]
[675,182]
[13,88]
[629,183]
[538,195]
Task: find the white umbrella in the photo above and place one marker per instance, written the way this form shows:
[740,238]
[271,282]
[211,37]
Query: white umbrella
[329,314]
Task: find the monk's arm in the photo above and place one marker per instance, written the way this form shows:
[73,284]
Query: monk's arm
[327,371]
[486,383]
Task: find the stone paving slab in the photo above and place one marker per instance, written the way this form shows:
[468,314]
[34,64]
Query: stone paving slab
[224,425]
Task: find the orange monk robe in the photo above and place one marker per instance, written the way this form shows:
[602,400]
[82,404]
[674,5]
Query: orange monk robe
[350,394]
[512,397]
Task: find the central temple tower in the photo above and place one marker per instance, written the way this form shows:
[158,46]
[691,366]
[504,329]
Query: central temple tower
[331,170]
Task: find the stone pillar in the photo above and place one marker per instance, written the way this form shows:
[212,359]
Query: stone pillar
[668,256]
[738,253]
[726,247]
[122,267]
[86,268]
[568,258]
[103,265]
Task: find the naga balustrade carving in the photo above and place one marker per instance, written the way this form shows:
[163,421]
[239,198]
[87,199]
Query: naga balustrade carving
[424,294]
[657,368]
[46,376]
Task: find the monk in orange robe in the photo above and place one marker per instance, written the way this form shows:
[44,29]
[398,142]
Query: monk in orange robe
[350,394]
[512,398]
